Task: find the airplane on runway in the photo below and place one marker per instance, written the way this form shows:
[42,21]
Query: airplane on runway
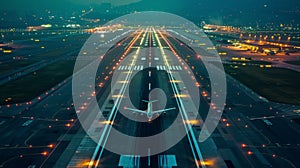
[149,112]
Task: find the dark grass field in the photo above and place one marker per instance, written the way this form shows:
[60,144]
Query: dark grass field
[297,120]
[57,48]
[9,67]
[293,62]
[16,64]
[276,84]
[32,85]
[55,53]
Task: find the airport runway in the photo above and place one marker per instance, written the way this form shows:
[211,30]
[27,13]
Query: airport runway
[158,79]
[244,137]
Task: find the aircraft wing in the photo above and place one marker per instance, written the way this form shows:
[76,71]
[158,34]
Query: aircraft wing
[160,111]
[136,110]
